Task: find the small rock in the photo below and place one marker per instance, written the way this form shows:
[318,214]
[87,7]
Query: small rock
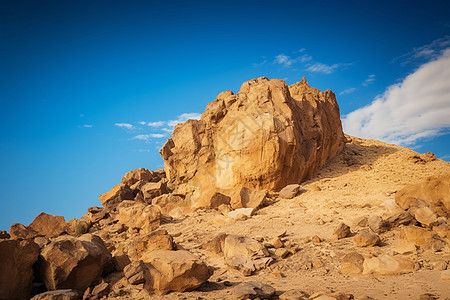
[342,231]
[176,213]
[240,211]
[289,191]
[101,290]
[281,252]
[377,224]
[116,195]
[134,272]
[294,295]
[4,234]
[404,247]
[387,265]
[224,209]
[277,274]
[215,246]
[352,263]
[316,240]
[366,239]
[219,199]
[276,243]
[57,295]
[425,216]
[253,290]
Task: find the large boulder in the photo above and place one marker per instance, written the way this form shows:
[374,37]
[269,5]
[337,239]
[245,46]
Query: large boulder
[266,136]
[72,263]
[19,231]
[174,271]
[116,195]
[136,175]
[142,217]
[48,225]
[435,191]
[16,268]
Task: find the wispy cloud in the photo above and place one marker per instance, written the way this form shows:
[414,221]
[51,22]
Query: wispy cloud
[319,67]
[124,125]
[156,124]
[87,125]
[255,65]
[347,91]
[284,60]
[370,79]
[147,137]
[183,118]
[427,52]
[416,108]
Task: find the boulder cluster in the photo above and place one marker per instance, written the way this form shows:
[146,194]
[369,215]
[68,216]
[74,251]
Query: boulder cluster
[248,152]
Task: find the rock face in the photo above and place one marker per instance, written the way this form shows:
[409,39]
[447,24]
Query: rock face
[176,271]
[16,268]
[266,136]
[69,262]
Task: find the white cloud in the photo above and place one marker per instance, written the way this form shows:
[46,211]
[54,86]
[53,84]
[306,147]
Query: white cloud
[147,137]
[87,126]
[255,65]
[426,52]
[418,107]
[284,60]
[322,68]
[124,125]
[347,91]
[305,58]
[370,79]
[167,130]
[156,124]
[142,123]
[183,118]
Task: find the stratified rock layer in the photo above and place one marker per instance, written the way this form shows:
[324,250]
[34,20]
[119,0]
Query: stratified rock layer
[266,136]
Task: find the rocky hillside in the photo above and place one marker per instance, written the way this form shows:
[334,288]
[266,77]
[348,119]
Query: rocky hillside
[318,215]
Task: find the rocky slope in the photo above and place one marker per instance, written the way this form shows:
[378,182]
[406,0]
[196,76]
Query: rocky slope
[371,223]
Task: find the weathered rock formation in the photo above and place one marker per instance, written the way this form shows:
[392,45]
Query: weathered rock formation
[266,136]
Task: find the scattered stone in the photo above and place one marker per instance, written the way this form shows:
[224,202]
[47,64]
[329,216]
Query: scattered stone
[316,240]
[66,294]
[352,263]
[16,268]
[224,209]
[216,245]
[281,252]
[241,211]
[294,295]
[176,213]
[421,237]
[361,222]
[342,231]
[313,188]
[20,231]
[441,265]
[366,239]
[75,262]
[365,168]
[387,265]
[121,260]
[142,217]
[240,253]
[219,199]
[222,220]
[247,198]
[101,290]
[253,290]
[134,272]
[289,191]
[402,218]
[95,214]
[276,243]
[116,195]
[177,271]
[378,225]
[442,230]
[428,296]
[156,240]
[404,247]
[136,175]
[425,216]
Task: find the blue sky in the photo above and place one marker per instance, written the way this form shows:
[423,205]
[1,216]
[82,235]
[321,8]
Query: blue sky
[90,89]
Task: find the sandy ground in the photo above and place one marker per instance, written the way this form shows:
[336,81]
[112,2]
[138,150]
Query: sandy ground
[360,181]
